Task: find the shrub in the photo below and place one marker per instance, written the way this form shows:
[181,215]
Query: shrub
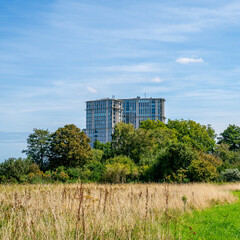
[33,168]
[171,159]
[96,170]
[204,169]
[116,173]
[231,175]
[74,173]
[97,155]
[120,169]
[12,169]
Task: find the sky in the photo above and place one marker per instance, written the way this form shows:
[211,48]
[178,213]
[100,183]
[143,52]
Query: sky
[57,54]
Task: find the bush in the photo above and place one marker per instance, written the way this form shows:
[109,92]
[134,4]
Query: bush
[12,170]
[204,169]
[60,174]
[96,171]
[177,156]
[120,169]
[74,173]
[231,175]
[97,155]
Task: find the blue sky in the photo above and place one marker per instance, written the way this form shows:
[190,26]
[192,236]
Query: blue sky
[55,55]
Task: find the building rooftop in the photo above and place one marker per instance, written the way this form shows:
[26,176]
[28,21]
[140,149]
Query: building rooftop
[113,99]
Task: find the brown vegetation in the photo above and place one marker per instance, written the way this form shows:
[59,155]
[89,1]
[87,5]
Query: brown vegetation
[92,211]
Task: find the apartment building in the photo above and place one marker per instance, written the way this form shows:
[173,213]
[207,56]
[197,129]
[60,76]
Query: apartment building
[102,115]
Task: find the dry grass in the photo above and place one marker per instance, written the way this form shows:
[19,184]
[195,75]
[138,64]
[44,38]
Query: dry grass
[92,211]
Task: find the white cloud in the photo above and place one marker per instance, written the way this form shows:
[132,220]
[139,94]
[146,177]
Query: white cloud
[157,80]
[139,68]
[91,90]
[189,60]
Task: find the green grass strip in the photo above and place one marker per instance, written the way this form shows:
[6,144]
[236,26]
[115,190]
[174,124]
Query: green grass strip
[218,222]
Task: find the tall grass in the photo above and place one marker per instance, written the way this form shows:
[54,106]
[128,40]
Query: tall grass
[92,211]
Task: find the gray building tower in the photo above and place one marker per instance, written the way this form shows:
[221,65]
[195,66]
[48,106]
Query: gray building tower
[139,109]
[102,115]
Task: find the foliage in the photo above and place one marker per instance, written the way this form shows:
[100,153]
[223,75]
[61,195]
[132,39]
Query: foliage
[173,158]
[97,155]
[179,151]
[14,169]
[120,169]
[38,147]
[105,147]
[152,125]
[122,139]
[131,142]
[198,136]
[204,169]
[231,175]
[74,173]
[33,168]
[96,170]
[70,147]
[226,155]
[231,136]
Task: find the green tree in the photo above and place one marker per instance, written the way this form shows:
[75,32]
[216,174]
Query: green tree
[159,133]
[223,152]
[204,169]
[231,136]
[14,169]
[231,175]
[122,139]
[198,136]
[120,169]
[177,156]
[131,142]
[97,155]
[70,147]
[152,124]
[105,147]
[38,147]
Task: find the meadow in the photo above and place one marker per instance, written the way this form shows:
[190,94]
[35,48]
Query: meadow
[102,211]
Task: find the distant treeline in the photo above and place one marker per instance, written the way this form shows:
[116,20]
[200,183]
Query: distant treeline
[179,151]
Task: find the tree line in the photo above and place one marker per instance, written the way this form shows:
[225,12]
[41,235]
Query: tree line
[179,151]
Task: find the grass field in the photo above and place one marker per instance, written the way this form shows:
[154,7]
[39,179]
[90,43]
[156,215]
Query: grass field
[218,222]
[130,211]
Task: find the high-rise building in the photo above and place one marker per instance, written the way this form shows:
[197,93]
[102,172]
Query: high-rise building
[102,115]
[139,109]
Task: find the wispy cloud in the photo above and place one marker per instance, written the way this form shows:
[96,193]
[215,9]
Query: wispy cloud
[138,68]
[91,89]
[157,80]
[189,60]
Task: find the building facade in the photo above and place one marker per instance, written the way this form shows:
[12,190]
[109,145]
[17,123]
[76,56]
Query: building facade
[102,115]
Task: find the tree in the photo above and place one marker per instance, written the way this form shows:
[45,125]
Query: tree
[198,136]
[120,169]
[122,139]
[231,175]
[70,147]
[204,169]
[177,156]
[14,169]
[38,147]
[105,147]
[223,152]
[152,124]
[159,133]
[131,142]
[231,136]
